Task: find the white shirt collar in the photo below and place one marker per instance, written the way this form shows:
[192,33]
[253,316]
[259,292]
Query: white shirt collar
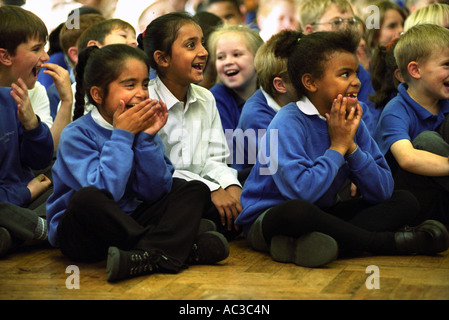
[164,94]
[98,118]
[270,101]
[307,107]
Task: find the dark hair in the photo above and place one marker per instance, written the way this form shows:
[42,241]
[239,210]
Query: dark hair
[383,66]
[162,32]
[100,67]
[18,26]
[309,53]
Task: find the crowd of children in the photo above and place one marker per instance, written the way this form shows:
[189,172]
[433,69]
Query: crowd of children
[309,127]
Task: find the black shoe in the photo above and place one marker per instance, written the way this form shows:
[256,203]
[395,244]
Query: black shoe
[5,241]
[206,225]
[208,248]
[430,237]
[127,264]
[311,250]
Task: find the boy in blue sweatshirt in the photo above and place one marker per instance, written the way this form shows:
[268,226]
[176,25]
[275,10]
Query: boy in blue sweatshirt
[290,199]
[413,129]
[26,143]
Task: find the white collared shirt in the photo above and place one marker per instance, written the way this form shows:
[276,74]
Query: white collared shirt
[193,137]
[307,107]
[270,101]
[98,118]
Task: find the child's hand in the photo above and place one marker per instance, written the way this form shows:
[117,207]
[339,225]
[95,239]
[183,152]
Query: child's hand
[25,111]
[228,205]
[137,118]
[61,79]
[342,124]
[159,119]
[38,186]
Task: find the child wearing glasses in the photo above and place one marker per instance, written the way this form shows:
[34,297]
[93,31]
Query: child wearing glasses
[338,15]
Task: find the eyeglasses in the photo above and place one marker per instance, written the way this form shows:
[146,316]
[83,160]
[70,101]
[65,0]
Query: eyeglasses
[339,22]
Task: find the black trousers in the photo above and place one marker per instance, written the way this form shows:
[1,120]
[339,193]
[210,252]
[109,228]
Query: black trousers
[93,222]
[431,192]
[354,224]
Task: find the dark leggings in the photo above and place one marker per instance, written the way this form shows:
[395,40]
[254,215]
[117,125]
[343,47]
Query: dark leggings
[354,224]
[93,221]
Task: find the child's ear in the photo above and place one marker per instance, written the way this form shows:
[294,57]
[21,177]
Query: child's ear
[97,94]
[279,85]
[414,70]
[5,57]
[308,29]
[398,75]
[161,58]
[308,82]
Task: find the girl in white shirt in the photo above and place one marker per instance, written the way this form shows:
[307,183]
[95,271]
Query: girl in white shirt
[193,136]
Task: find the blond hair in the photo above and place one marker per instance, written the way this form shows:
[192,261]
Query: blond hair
[418,44]
[269,65]
[312,10]
[251,38]
[436,13]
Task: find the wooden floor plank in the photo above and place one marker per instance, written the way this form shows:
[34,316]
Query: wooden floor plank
[39,272]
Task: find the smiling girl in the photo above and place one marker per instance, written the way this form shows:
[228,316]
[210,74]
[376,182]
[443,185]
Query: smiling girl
[233,49]
[294,212]
[193,136]
[114,194]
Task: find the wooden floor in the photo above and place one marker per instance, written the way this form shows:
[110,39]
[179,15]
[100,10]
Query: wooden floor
[39,272]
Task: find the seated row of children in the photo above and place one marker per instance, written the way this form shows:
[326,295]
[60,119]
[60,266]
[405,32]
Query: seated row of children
[142,180]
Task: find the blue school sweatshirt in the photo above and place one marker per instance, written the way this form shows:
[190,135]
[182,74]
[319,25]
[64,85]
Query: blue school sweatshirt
[298,164]
[133,168]
[21,151]
[228,104]
[254,119]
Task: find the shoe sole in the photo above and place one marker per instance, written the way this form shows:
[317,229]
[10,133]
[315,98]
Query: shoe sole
[6,242]
[112,264]
[311,250]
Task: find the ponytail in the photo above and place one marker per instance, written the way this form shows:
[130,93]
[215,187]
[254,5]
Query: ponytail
[80,93]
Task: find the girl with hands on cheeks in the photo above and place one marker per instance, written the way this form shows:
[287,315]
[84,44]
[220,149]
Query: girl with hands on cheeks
[114,193]
[295,212]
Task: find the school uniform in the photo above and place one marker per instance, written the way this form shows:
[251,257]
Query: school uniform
[193,137]
[256,115]
[404,118]
[195,142]
[301,165]
[21,152]
[114,188]
[229,105]
[294,187]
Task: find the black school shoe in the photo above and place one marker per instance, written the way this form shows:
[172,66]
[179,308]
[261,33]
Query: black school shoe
[428,238]
[314,249]
[123,264]
[208,248]
[5,241]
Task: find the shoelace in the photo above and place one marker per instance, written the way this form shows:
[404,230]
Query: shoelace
[144,263]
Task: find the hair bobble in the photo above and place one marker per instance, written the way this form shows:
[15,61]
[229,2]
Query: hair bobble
[299,39]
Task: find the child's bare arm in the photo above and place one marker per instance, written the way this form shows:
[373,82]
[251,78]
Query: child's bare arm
[419,161]
[61,79]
